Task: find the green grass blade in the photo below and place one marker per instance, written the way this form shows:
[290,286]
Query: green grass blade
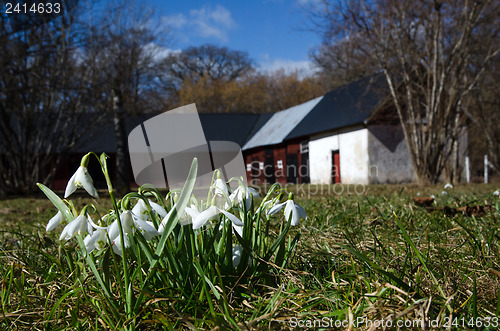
[424,265]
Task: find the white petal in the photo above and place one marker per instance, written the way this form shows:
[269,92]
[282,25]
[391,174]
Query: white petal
[220,187]
[275,208]
[148,230]
[54,222]
[253,192]
[100,243]
[290,210]
[192,211]
[89,243]
[78,225]
[158,209]
[204,217]
[127,221]
[236,255]
[232,218]
[83,178]
[70,187]
[113,230]
[302,212]
[140,210]
[116,244]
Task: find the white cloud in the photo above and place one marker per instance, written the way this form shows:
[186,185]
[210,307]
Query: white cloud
[159,52]
[177,21]
[303,68]
[205,22]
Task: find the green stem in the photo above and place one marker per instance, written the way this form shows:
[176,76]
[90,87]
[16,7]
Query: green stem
[104,167]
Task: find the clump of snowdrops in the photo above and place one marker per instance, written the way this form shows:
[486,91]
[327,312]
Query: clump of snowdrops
[150,245]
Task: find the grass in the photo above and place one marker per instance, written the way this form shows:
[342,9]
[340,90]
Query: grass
[368,258]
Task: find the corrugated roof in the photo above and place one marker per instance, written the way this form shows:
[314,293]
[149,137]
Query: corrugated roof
[280,125]
[348,105]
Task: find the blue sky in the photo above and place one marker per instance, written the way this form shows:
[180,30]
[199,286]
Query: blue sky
[273,32]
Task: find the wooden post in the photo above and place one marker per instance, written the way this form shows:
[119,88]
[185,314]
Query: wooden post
[485,169]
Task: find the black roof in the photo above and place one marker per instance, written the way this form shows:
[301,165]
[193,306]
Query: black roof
[345,106]
[237,128]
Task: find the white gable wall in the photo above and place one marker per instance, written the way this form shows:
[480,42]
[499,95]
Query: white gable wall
[353,152]
[390,161]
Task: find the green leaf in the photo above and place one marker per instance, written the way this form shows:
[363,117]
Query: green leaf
[181,204]
[204,277]
[58,203]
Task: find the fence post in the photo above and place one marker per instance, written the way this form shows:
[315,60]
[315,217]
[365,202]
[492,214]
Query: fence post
[485,168]
[467,169]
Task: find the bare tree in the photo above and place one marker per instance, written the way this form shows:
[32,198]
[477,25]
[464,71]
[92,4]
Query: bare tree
[427,51]
[43,93]
[207,61]
[124,48]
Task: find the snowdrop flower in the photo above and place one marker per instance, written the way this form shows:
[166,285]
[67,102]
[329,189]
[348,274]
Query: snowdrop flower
[243,193]
[127,223]
[97,240]
[237,255]
[271,203]
[444,193]
[496,193]
[146,227]
[291,208]
[211,213]
[190,213]
[237,223]
[81,178]
[141,209]
[78,225]
[185,218]
[433,196]
[447,186]
[158,209]
[220,188]
[54,221]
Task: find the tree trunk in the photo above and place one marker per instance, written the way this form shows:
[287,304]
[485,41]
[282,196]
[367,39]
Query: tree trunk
[122,159]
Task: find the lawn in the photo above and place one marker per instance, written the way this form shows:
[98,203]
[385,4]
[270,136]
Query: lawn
[367,257]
